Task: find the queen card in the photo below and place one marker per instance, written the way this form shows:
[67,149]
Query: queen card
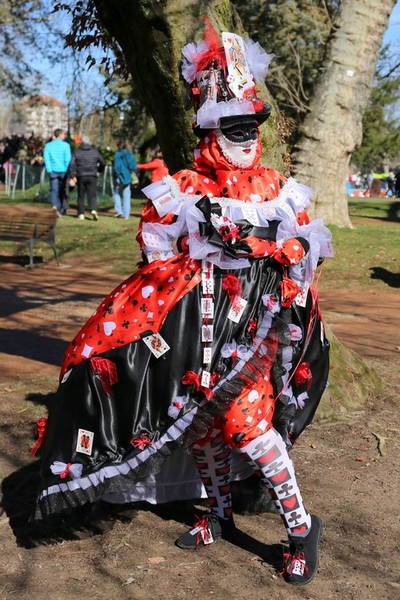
[84,442]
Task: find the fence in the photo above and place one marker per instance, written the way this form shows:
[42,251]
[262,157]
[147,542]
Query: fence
[23,177]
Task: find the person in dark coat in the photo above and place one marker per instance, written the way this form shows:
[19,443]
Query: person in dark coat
[397,183]
[86,163]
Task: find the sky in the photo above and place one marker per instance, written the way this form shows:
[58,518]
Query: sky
[57,80]
[59,76]
[392,34]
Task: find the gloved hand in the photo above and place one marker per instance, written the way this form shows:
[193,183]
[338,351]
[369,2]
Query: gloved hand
[292,251]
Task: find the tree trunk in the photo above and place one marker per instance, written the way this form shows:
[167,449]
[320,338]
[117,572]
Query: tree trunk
[333,128]
[151,36]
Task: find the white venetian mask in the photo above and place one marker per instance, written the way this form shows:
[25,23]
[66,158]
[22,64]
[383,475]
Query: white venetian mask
[240,154]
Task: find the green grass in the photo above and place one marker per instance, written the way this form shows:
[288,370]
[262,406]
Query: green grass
[362,252]
[108,243]
[364,255]
[369,252]
[387,209]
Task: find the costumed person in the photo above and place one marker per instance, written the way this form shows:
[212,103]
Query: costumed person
[214,349]
[157,166]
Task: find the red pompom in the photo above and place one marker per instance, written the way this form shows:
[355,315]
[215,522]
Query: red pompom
[232,286]
[303,375]
[191,378]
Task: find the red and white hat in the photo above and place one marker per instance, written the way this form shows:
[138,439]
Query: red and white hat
[222,78]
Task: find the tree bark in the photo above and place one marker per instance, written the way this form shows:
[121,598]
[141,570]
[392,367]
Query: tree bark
[151,36]
[333,128]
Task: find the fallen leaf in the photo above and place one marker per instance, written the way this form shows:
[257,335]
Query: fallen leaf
[361,459]
[156,560]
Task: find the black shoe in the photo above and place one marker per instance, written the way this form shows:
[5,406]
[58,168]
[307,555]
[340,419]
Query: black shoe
[208,529]
[301,562]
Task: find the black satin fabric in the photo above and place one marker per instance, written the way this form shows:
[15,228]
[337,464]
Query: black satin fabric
[139,401]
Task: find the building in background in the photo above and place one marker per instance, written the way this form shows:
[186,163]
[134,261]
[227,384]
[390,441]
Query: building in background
[38,114]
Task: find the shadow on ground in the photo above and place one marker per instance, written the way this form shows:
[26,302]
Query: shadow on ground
[391,279]
[391,214]
[33,345]
[22,260]
[19,496]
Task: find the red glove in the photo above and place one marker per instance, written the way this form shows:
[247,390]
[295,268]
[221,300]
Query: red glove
[291,252]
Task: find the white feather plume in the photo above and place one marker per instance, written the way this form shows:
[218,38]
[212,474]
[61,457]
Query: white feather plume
[258,60]
[189,63]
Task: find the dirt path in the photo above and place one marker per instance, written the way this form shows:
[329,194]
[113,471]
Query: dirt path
[347,472]
[41,310]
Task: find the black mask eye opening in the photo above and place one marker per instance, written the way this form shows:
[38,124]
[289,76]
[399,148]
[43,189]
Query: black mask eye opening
[240,134]
[236,133]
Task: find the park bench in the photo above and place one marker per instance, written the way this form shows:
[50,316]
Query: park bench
[30,225]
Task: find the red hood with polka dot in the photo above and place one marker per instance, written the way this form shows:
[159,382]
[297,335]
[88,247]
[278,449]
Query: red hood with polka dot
[214,175]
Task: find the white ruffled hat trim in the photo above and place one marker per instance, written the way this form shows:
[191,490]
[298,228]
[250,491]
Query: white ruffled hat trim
[208,116]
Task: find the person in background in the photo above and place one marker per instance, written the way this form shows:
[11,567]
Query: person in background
[124,164]
[86,163]
[157,167]
[390,191]
[8,166]
[57,156]
[397,183]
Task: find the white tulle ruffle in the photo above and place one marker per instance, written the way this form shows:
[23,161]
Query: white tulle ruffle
[292,199]
[209,114]
[258,60]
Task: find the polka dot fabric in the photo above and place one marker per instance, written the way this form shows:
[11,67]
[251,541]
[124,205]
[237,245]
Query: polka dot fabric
[214,175]
[136,308]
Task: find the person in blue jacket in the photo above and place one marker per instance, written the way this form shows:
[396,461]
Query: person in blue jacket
[124,164]
[57,157]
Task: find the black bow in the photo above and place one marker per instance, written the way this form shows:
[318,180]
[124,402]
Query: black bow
[230,246]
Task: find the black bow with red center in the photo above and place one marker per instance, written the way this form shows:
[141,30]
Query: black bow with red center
[220,230]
